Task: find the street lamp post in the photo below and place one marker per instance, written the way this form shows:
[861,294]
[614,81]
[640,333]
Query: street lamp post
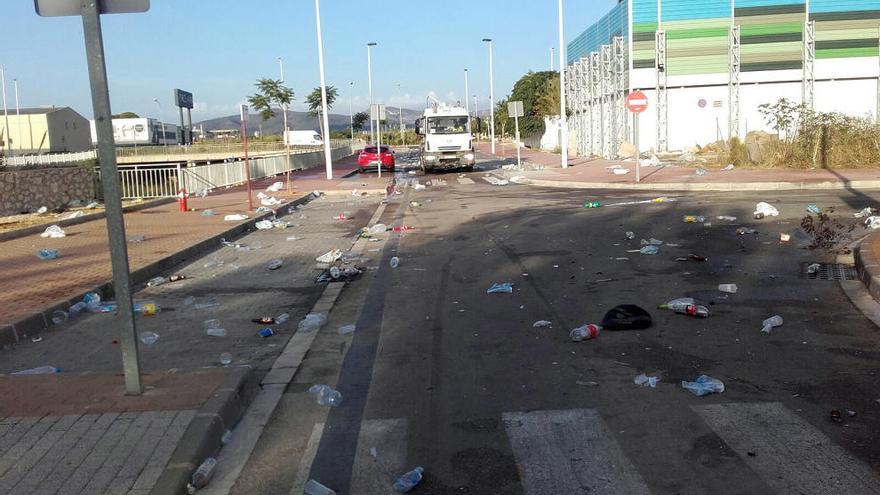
[328,158]
[350,111]
[17,112]
[491,95]
[284,138]
[467,105]
[7,148]
[563,118]
[400,112]
[477,116]
[156,100]
[370,46]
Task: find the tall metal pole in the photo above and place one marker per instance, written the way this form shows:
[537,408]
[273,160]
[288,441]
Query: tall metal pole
[563,118]
[350,114]
[161,121]
[328,157]
[6,146]
[112,203]
[477,116]
[17,112]
[400,114]
[467,100]
[247,161]
[370,84]
[552,56]
[491,95]
[285,137]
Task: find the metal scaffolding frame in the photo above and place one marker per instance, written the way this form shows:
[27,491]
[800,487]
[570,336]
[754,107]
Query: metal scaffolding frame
[596,105]
[570,100]
[734,63]
[662,97]
[608,124]
[583,104]
[809,82]
[621,84]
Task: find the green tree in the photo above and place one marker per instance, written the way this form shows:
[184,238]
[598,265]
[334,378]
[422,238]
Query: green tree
[269,92]
[126,115]
[502,121]
[315,103]
[535,90]
[360,119]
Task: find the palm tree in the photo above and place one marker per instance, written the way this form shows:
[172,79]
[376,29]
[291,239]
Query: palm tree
[314,101]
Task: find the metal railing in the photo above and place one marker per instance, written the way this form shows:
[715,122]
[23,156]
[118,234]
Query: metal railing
[213,148]
[49,159]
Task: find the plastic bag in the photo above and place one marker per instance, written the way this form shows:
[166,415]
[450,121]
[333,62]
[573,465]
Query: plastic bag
[704,385]
[766,209]
[626,317]
[53,232]
[264,225]
[329,256]
[312,322]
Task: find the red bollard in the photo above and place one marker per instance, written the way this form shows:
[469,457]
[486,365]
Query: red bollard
[181,200]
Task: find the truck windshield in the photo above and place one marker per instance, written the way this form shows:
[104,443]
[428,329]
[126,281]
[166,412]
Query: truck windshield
[447,125]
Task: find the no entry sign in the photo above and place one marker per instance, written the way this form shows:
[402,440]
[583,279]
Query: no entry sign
[637,102]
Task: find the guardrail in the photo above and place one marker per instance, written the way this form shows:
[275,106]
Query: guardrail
[236,147]
[49,159]
[165,180]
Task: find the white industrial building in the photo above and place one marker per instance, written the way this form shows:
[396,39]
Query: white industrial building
[44,130]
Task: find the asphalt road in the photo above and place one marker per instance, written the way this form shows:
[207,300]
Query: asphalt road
[443,375]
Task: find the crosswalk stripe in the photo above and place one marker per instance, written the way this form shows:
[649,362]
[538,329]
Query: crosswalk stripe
[374,475]
[790,455]
[570,451]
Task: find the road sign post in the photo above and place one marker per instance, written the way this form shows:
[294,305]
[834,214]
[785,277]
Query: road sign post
[637,103]
[379,113]
[247,163]
[515,110]
[90,11]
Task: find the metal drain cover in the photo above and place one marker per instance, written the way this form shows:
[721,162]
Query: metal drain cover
[829,271]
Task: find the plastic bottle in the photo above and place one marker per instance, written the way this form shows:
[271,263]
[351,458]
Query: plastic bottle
[676,304]
[59,317]
[395,262]
[334,272]
[694,219]
[282,319]
[149,338]
[48,254]
[693,310]
[728,288]
[77,308]
[324,395]
[409,480]
[585,332]
[650,250]
[157,281]
[202,476]
[592,204]
[226,359]
[42,370]
[772,322]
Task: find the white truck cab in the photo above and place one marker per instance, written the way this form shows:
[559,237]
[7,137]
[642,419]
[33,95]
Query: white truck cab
[448,143]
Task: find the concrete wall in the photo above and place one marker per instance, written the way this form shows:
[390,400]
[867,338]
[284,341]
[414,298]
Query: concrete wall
[24,191]
[316,159]
[68,132]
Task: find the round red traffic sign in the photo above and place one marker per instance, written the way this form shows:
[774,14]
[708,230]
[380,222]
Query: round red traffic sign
[637,102]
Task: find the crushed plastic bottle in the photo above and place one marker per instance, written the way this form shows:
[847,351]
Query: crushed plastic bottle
[156,281]
[395,262]
[686,306]
[728,288]
[315,488]
[646,381]
[275,264]
[48,254]
[202,476]
[226,359]
[325,395]
[771,323]
[408,481]
[505,288]
[867,212]
[149,338]
[347,329]
[650,250]
[282,319]
[312,322]
[814,209]
[378,229]
[59,317]
[704,385]
[214,328]
[585,332]
[542,323]
[814,268]
[263,225]
[652,242]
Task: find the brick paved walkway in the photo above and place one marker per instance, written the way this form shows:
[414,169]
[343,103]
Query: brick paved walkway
[28,284]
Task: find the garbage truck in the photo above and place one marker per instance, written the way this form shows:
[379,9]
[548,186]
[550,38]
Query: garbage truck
[447,138]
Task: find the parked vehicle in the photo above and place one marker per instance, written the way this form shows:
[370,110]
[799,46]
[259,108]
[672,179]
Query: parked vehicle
[369,160]
[303,138]
[448,143]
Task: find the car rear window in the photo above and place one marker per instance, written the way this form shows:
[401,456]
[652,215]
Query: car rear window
[371,149]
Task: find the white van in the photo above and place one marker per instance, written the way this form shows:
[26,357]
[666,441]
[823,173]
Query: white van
[303,138]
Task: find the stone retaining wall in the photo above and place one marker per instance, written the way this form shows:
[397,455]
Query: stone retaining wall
[25,191]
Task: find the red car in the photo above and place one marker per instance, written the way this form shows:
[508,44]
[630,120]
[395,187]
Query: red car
[368,160]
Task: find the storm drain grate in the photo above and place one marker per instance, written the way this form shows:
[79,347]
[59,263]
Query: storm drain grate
[829,271]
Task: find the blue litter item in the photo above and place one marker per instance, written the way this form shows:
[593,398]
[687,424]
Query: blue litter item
[409,480]
[704,385]
[813,209]
[506,288]
[47,254]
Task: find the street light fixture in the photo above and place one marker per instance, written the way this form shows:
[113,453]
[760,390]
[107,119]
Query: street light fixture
[370,46]
[491,95]
[164,142]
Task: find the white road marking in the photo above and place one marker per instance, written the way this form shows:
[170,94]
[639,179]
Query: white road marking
[465,181]
[790,455]
[570,451]
[375,475]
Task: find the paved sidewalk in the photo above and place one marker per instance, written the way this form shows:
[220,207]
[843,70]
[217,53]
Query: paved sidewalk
[592,173]
[84,261]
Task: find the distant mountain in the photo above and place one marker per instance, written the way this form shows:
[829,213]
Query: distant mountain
[300,121]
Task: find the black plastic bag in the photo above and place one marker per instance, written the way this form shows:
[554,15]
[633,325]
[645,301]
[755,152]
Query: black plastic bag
[626,317]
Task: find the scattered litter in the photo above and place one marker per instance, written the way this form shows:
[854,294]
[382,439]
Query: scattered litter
[592,204]
[814,268]
[324,395]
[403,228]
[726,218]
[694,219]
[315,488]
[867,212]
[275,264]
[312,322]
[395,262]
[208,213]
[293,238]
[37,339]
[686,306]
[335,274]
[873,222]
[282,318]
[277,186]
[766,210]
[330,256]
[136,239]
[42,370]
[208,303]
[42,210]
[280,224]
[620,171]
[347,329]
[76,214]
[264,225]
[495,181]
[728,288]
[225,360]
[214,262]
[408,481]
[746,230]
[93,205]
[626,317]
[704,385]
[649,250]
[149,338]
[630,235]
[784,237]
[59,317]
[266,333]
[505,288]
[374,453]
[415,204]
[728,168]
[587,383]
[646,381]
[542,323]
[378,229]
[53,232]
[814,209]
[771,323]
[650,162]
[584,332]
[662,199]
[214,328]
[48,254]
[412,172]
[418,187]
[519,179]
[202,476]
[652,242]
[701,172]
[235,218]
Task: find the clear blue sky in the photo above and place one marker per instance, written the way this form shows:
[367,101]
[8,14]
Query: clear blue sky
[217,48]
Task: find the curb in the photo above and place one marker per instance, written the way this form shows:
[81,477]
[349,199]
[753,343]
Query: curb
[868,266]
[202,437]
[40,321]
[36,229]
[717,186]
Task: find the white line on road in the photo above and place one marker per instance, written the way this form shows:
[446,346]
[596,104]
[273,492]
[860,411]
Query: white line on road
[790,455]
[570,451]
[375,475]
